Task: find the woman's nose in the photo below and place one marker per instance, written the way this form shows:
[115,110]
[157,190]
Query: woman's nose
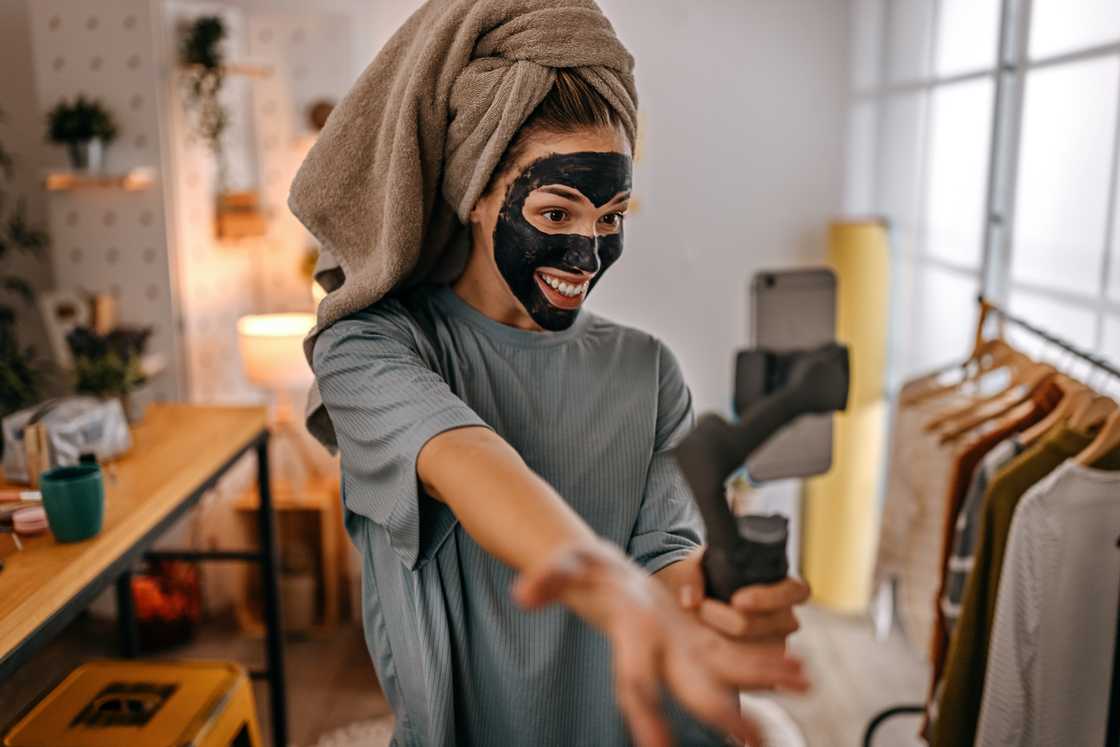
[585,256]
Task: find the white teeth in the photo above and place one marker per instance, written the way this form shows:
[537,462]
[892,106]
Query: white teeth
[565,288]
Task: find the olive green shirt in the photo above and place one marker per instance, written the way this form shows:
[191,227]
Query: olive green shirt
[959,709]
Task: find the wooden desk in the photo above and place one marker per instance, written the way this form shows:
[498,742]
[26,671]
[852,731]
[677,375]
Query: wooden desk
[179,452]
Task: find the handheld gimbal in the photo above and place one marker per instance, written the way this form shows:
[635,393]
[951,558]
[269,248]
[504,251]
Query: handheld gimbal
[773,390]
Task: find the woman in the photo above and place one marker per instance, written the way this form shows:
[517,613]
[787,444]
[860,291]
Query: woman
[493,433]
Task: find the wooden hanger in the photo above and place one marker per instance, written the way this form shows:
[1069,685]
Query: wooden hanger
[991,355]
[1092,414]
[985,354]
[1034,378]
[1107,441]
[1026,375]
[1076,395]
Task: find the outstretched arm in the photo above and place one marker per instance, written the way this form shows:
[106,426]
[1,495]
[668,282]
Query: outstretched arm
[517,517]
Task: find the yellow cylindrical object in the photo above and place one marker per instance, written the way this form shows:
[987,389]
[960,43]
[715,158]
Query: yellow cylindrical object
[841,508]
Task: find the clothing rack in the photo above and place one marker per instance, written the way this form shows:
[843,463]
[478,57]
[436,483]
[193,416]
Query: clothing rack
[988,309]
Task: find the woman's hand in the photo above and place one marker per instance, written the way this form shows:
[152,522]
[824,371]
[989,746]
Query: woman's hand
[657,645]
[760,613]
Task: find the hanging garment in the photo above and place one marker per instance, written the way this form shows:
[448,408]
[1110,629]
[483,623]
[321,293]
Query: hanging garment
[1048,670]
[971,452]
[959,706]
[959,565]
[910,538]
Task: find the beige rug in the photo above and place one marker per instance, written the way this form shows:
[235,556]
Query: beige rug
[375,732]
[777,726]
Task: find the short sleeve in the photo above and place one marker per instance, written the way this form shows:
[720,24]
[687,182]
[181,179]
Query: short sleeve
[668,526]
[385,401]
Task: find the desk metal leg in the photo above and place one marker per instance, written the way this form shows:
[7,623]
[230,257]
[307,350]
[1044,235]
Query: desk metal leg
[126,617]
[274,633]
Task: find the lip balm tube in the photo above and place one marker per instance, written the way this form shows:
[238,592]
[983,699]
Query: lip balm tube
[20,495]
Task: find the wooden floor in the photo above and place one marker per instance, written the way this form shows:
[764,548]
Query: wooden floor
[854,677]
[331,682]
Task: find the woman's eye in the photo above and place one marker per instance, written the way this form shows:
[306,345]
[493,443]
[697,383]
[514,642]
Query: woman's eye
[555,215]
[612,219]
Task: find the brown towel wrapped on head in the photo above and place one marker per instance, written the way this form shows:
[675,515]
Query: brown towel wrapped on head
[389,184]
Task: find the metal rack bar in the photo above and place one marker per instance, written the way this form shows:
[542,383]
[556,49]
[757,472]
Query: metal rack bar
[1010,318]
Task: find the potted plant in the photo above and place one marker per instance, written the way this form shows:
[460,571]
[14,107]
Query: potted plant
[85,127]
[203,63]
[109,365]
[22,374]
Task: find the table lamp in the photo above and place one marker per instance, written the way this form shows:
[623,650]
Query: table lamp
[272,355]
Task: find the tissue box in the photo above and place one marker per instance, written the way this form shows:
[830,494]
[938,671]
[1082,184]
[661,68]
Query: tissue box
[67,428]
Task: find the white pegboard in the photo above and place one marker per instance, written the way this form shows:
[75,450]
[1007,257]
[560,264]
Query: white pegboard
[109,240]
[221,281]
[295,46]
[215,279]
[124,53]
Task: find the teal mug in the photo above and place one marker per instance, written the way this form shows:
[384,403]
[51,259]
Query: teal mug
[74,499]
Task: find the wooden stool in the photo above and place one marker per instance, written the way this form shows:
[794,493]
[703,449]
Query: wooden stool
[146,704]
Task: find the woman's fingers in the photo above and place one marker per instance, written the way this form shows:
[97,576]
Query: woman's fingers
[756,666]
[756,626]
[637,689]
[713,703]
[690,597]
[770,597]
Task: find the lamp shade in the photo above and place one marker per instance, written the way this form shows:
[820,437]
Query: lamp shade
[272,349]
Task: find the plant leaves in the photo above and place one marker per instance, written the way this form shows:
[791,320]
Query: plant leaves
[20,287]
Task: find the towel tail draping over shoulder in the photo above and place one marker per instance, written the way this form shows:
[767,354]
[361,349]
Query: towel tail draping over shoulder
[389,185]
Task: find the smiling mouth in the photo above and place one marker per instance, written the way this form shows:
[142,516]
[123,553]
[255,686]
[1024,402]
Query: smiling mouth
[562,290]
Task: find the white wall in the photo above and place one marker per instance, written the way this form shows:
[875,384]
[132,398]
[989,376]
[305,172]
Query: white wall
[743,115]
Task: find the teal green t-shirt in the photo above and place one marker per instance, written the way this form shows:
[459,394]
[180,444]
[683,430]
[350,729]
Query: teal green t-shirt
[593,410]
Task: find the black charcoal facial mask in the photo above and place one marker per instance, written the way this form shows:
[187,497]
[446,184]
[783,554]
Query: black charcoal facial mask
[520,249]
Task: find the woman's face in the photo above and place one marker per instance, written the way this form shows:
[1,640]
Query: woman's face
[553,222]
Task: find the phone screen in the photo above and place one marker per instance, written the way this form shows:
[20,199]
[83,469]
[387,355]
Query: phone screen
[794,310]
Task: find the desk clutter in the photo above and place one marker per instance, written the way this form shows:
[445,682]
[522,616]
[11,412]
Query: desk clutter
[71,504]
[59,432]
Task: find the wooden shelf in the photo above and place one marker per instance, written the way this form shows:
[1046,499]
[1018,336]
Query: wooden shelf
[246,69]
[133,180]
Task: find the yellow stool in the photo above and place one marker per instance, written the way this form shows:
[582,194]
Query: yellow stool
[144,704]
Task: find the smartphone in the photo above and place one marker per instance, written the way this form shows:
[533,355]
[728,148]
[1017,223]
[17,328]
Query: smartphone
[793,310]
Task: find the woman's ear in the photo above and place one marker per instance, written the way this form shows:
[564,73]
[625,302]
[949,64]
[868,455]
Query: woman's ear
[485,206]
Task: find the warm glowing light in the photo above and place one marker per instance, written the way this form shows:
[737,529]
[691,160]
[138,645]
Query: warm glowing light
[272,349]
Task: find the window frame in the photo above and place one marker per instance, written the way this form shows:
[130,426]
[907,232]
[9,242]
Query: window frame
[1011,64]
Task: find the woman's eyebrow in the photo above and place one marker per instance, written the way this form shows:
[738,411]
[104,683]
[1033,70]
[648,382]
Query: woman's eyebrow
[561,191]
[575,194]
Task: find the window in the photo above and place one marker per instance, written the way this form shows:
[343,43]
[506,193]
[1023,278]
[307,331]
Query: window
[937,119]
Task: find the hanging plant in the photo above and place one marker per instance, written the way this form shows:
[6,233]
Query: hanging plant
[202,58]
